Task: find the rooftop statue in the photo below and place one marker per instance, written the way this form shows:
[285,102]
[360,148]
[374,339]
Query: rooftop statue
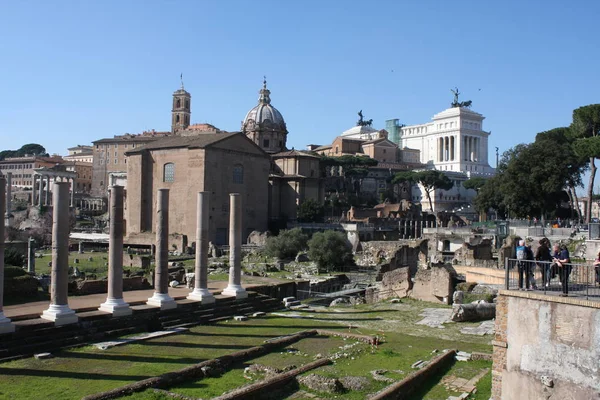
[362,122]
[456,103]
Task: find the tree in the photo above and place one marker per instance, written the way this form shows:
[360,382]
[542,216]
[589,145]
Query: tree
[330,250]
[490,197]
[287,244]
[585,128]
[310,211]
[31,149]
[475,183]
[431,180]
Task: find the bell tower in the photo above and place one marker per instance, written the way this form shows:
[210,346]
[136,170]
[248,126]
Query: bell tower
[180,114]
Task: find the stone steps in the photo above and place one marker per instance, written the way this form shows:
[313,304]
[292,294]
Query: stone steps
[39,335]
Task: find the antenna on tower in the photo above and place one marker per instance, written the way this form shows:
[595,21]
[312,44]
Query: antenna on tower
[181,78]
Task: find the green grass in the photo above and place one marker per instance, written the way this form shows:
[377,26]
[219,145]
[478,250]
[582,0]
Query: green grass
[483,388]
[95,267]
[73,374]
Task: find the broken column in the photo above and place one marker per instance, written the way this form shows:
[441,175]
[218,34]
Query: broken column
[235,248]
[161,296]
[201,291]
[8,212]
[80,250]
[41,194]
[31,256]
[114,301]
[5,325]
[33,189]
[59,310]
[47,191]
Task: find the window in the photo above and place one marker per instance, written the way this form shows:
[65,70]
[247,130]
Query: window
[169,172]
[178,103]
[238,174]
[265,142]
[177,118]
[116,161]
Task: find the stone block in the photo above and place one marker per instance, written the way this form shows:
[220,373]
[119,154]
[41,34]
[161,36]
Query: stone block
[240,318]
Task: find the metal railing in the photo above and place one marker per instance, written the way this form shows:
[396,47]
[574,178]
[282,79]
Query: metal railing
[572,279]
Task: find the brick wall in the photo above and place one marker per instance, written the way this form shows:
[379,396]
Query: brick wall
[500,346]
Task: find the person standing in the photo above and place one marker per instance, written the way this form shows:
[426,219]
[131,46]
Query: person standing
[523,264]
[562,260]
[530,267]
[543,258]
[597,269]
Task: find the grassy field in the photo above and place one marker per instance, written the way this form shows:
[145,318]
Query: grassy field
[73,374]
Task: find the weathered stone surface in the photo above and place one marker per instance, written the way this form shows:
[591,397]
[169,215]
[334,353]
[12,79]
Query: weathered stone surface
[43,356]
[321,383]
[258,238]
[435,284]
[473,252]
[458,297]
[473,312]
[354,382]
[240,318]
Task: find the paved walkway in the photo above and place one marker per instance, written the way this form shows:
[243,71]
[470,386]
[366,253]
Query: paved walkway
[92,301]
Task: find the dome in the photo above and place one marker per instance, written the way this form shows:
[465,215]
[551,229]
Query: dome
[264,116]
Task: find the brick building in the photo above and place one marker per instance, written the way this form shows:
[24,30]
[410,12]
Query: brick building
[220,163]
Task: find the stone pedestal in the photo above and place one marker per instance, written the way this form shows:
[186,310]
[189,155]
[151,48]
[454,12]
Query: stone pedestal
[201,292]
[59,310]
[161,296]
[234,288]
[114,302]
[6,325]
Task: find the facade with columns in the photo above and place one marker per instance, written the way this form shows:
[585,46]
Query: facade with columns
[454,142]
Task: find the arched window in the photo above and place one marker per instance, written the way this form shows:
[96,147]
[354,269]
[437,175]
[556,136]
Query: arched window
[187,104]
[169,172]
[238,174]
[178,103]
[177,118]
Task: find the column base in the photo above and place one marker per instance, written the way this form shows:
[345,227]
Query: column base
[235,290]
[117,307]
[162,300]
[5,325]
[203,295]
[60,314]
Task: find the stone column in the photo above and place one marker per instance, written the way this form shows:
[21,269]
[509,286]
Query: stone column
[72,192]
[5,325]
[31,256]
[47,192]
[41,194]
[235,248]
[59,310]
[33,190]
[161,296]
[201,291]
[80,249]
[114,301]
[8,212]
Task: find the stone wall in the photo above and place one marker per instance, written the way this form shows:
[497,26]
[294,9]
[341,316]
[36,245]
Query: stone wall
[545,347]
[407,253]
[435,284]
[101,286]
[136,261]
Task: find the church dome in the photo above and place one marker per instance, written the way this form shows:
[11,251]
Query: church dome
[265,125]
[264,116]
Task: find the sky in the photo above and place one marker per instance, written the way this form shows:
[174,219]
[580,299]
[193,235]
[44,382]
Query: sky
[72,72]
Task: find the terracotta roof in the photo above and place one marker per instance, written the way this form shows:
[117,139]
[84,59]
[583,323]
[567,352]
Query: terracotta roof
[190,142]
[293,153]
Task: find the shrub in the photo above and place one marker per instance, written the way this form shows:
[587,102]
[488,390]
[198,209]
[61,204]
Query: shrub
[21,287]
[330,250]
[310,211]
[287,244]
[12,272]
[466,286]
[13,257]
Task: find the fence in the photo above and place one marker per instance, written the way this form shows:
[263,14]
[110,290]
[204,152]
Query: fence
[574,280]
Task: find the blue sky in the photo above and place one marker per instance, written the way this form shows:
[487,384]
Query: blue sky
[76,71]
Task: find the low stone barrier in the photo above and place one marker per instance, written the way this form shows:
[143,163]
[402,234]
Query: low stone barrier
[373,340]
[197,371]
[404,388]
[253,391]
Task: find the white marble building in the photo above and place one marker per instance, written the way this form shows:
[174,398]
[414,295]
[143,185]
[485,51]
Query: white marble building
[454,142]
